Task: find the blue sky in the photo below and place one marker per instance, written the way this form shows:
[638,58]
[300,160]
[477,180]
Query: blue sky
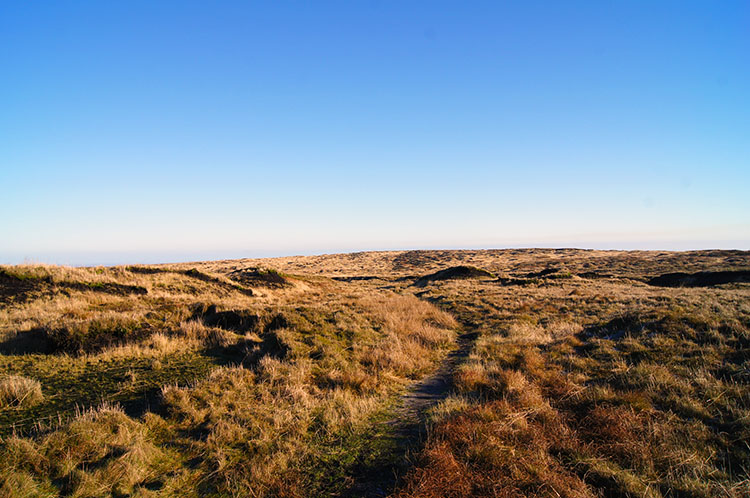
[165,131]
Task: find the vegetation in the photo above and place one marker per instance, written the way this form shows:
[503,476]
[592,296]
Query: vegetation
[286,377]
[20,392]
[596,388]
[247,396]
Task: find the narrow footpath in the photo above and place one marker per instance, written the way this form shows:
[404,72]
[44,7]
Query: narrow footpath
[410,426]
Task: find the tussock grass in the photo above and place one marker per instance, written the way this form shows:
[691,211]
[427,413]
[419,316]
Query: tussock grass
[219,379]
[271,394]
[594,388]
[19,392]
[102,452]
[415,332]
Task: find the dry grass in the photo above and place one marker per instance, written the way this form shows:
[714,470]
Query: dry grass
[415,333]
[582,387]
[19,392]
[102,452]
[584,380]
[296,376]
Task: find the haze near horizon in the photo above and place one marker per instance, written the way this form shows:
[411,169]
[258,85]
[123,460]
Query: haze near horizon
[147,132]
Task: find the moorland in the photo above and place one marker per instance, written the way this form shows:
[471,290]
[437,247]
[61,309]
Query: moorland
[519,372]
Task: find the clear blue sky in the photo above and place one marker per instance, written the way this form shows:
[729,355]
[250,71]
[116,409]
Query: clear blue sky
[162,131]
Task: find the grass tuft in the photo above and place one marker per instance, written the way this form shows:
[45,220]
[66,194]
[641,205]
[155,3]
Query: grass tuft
[19,392]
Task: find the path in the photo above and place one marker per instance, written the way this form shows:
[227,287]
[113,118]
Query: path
[436,387]
[410,426]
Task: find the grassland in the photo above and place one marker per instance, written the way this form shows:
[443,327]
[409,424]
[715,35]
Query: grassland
[288,376]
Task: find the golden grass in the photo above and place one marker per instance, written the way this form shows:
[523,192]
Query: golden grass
[584,380]
[19,392]
[304,379]
[415,332]
[590,388]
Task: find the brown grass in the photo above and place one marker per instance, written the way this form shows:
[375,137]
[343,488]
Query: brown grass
[19,392]
[305,368]
[590,388]
[584,380]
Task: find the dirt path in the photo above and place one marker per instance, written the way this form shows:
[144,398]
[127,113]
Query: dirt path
[409,427]
[436,387]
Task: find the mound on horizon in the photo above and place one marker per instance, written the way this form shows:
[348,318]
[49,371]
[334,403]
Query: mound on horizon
[263,277]
[700,279]
[455,273]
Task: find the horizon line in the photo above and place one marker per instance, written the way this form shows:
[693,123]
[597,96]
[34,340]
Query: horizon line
[109,258]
